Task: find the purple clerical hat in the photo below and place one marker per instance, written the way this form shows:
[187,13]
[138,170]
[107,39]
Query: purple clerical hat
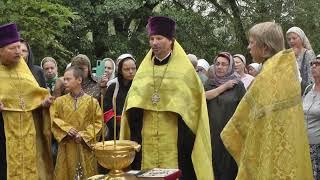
[8,34]
[160,25]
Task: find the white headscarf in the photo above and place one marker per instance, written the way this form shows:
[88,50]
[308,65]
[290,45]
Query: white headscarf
[302,35]
[242,58]
[203,63]
[124,56]
[256,66]
[114,67]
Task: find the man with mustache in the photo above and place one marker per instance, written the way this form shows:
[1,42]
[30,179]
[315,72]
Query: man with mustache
[24,147]
[166,109]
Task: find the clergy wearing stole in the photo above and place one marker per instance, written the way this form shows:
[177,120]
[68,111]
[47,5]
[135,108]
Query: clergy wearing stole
[77,119]
[165,109]
[266,135]
[24,123]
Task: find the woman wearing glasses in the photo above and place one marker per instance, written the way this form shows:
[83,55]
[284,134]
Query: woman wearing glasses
[220,110]
[311,108]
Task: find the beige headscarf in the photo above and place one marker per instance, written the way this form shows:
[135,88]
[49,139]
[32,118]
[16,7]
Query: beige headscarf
[302,35]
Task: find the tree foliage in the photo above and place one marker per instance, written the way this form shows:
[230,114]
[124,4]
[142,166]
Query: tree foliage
[41,23]
[108,28]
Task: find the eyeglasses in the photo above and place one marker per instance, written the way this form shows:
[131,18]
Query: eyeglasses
[317,63]
[222,64]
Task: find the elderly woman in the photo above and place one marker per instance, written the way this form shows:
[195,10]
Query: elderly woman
[202,70]
[299,42]
[89,85]
[193,59]
[266,135]
[254,69]
[220,110]
[240,67]
[118,91]
[311,108]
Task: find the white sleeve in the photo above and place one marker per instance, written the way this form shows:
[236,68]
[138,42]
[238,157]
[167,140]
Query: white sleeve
[299,75]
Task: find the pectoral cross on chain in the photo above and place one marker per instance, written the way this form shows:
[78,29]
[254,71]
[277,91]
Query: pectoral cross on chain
[155,98]
[22,103]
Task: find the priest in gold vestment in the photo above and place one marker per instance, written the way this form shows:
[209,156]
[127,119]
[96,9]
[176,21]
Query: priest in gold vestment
[24,123]
[165,109]
[266,135]
[77,119]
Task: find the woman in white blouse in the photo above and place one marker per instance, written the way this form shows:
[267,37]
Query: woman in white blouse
[311,108]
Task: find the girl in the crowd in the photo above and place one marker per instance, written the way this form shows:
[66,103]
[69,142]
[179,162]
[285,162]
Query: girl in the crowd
[117,92]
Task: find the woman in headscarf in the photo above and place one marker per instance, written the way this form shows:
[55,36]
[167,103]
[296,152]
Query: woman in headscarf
[220,110]
[193,59]
[254,69]
[35,70]
[89,85]
[110,68]
[300,44]
[118,91]
[202,70]
[109,74]
[240,68]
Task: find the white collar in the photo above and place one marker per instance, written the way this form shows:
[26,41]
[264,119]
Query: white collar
[165,56]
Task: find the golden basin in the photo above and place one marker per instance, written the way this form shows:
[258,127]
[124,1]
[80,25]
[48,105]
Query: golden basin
[116,157]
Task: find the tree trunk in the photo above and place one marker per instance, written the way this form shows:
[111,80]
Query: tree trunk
[238,28]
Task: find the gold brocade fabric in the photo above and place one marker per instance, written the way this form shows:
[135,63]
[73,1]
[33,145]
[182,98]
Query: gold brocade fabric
[19,91]
[27,139]
[20,145]
[266,134]
[159,140]
[82,117]
[181,92]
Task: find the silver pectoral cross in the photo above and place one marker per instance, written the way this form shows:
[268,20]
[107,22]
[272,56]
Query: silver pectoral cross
[155,98]
[22,103]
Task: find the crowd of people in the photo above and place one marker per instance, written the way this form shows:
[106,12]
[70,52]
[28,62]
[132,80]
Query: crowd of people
[223,120]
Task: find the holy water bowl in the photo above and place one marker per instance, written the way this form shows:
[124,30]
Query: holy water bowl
[116,158]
